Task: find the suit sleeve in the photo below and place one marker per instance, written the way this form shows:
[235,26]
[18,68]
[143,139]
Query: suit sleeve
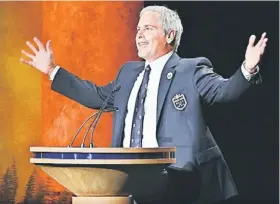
[213,88]
[82,91]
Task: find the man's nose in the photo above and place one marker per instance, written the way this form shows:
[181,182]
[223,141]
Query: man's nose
[140,34]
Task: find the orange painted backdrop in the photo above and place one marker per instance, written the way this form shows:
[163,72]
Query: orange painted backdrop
[20,90]
[91,40]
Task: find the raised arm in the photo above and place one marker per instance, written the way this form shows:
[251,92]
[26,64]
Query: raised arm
[213,88]
[65,83]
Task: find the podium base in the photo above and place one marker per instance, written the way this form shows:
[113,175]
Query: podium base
[102,200]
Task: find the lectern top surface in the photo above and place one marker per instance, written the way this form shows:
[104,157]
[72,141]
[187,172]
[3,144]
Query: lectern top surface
[101,150]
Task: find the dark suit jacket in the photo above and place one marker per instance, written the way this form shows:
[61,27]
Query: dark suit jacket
[196,149]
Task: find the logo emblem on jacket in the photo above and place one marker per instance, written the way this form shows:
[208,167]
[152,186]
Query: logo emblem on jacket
[179,101]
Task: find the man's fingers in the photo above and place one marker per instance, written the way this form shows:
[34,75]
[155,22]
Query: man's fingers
[265,40]
[49,47]
[28,55]
[261,40]
[39,44]
[32,47]
[31,63]
[251,41]
[263,48]
[263,45]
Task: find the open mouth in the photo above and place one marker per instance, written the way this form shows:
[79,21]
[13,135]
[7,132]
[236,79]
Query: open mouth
[142,44]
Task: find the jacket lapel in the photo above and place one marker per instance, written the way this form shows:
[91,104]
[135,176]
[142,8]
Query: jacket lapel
[167,76]
[130,80]
[131,75]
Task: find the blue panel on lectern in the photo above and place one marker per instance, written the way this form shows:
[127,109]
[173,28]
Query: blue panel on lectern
[70,155]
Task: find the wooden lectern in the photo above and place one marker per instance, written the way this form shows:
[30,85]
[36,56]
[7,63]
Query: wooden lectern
[102,175]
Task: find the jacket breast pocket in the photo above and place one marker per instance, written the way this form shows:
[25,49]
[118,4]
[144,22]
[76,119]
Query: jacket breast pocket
[208,154]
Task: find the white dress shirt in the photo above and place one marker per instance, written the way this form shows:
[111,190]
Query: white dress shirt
[150,105]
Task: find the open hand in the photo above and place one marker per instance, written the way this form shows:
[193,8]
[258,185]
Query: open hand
[254,53]
[41,59]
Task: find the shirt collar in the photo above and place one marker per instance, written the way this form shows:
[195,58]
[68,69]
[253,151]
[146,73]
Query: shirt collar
[161,61]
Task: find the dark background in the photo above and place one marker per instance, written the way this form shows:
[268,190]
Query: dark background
[246,130]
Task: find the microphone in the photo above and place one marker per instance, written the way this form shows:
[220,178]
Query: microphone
[97,120]
[80,128]
[98,115]
[91,116]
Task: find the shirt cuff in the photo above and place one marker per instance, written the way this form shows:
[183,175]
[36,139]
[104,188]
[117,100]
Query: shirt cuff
[247,74]
[53,73]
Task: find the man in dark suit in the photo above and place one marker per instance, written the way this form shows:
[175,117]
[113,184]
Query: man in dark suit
[161,102]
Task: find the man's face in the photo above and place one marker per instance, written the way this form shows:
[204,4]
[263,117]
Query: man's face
[150,39]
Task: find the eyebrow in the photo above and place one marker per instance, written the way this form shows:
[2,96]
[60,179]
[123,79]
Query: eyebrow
[147,26]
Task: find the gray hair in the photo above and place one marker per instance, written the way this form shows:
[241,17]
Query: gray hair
[170,20]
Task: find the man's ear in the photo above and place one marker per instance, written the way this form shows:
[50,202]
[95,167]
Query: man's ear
[170,37]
